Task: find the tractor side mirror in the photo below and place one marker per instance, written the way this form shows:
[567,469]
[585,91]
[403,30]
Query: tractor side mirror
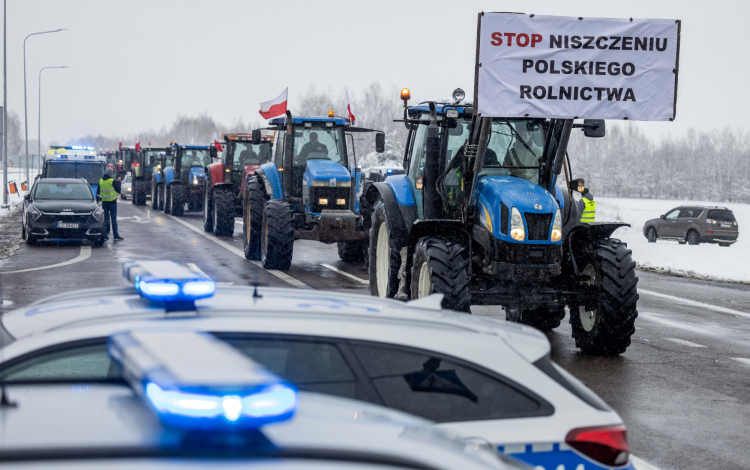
[256,137]
[380,142]
[593,127]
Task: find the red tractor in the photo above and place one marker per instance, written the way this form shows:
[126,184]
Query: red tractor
[225,180]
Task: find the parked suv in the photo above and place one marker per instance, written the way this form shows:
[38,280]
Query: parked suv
[694,225]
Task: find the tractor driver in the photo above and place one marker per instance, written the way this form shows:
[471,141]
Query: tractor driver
[248,156]
[523,153]
[312,147]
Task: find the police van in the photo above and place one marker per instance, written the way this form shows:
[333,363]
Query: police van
[74,161]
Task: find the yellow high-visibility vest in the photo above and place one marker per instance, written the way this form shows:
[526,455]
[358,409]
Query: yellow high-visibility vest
[589,211]
[107,190]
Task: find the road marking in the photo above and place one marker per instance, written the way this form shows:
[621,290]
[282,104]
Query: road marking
[641,464]
[194,267]
[684,342]
[83,255]
[350,276]
[657,318]
[281,275]
[743,360]
[715,308]
[134,218]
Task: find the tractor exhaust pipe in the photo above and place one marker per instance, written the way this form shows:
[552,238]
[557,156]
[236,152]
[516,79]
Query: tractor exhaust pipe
[432,201]
[562,146]
[288,155]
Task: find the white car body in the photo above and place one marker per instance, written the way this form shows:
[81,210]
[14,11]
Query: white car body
[508,349]
[126,189]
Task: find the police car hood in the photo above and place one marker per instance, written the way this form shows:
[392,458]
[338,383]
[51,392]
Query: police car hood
[110,419]
[66,206]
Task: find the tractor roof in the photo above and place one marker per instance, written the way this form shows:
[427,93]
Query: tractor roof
[441,108]
[199,147]
[265,137]
[337,121]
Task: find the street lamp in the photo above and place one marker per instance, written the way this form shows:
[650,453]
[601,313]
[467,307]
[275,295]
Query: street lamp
[39,127]
[25,111]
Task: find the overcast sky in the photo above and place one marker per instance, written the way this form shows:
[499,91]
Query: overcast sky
[135,65]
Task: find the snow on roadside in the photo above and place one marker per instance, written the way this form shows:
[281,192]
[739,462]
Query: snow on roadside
[17,175]
[704,261]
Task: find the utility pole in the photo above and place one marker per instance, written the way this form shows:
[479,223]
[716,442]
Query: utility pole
[39,127]
[5,106]
[25,109]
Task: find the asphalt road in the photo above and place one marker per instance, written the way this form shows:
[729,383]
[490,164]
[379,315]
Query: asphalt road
[683,386]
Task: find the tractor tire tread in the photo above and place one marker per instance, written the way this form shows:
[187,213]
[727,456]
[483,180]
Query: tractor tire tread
[449,266]
[224,212]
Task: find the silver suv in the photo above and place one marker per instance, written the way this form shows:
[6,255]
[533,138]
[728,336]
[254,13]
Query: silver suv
[694,225]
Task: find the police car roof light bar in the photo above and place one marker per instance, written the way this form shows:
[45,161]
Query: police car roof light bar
[193,381]
[173,284]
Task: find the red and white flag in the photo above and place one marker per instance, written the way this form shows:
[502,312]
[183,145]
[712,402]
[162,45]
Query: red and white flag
[219,148]
[349,108]
[275,107]
[138,146]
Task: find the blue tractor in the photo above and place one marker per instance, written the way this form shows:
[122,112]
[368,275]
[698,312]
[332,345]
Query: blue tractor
[480,218]
[184,180]
[309,190]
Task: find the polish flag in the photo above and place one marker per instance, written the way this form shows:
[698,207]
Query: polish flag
[219,148]
[275,107]
[349,108]
[138,146]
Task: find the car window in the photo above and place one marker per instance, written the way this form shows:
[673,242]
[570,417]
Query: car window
[310,365]
[63,192]
[673,214]
[725,215]
[689,213]
[88,362]
[443,389]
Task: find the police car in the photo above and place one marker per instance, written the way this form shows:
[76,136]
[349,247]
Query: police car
[74,161]
[189,399]
[471,375]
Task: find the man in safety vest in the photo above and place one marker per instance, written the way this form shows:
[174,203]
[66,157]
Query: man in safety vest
[108,189]
[586,205]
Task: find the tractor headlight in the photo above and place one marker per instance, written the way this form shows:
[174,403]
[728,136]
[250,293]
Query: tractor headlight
[517,231]
[556,235]
[195,180]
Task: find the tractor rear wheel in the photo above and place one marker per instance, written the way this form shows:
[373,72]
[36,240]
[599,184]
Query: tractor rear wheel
[352,251]
[177,200]
[139,193]
[208,205]
[277,243]
[605,330]
[252,218]
[544,318]
[223,211]
[384,254]
[442,267]
[154,194]
[166,198]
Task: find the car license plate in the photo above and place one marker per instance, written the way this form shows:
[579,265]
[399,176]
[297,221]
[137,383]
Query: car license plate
[65,225]
[725,225]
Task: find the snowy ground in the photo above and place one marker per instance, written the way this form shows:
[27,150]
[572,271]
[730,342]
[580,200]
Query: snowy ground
[17,175]
[705,261]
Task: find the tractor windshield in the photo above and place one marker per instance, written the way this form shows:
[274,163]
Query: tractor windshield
[317,142]
[150,157]
[246,153]
[192,158]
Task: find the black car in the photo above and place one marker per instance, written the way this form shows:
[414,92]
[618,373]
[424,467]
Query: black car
[62,208]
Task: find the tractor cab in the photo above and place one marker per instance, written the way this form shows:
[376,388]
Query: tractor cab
[242,158]
[184,179]
[124,157]
[146,161]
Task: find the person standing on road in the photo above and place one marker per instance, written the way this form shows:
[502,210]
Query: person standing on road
[586,205]
[108,189]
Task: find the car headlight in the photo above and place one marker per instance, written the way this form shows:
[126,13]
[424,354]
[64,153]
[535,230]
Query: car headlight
[97,214]
[556,235]
[517,231]
[36,213]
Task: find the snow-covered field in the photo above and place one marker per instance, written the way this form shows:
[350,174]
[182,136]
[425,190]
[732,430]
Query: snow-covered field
[707,261]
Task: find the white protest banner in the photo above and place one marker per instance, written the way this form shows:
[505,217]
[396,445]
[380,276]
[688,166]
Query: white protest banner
[567,68]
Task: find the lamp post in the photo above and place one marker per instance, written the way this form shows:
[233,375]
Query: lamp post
[39,127]
[25,109]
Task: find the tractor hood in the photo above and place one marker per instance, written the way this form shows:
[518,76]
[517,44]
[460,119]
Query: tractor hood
[197,172]
[527,197]
[332,173]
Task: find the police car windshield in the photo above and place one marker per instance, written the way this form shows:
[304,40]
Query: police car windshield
[319,142]
[63,192]
[92,172]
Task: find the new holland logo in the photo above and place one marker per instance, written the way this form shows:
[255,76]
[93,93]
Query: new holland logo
[538,207]
[332,182]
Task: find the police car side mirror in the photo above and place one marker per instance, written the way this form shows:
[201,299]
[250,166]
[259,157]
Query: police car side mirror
[593,127]
[380,142]
[256,136]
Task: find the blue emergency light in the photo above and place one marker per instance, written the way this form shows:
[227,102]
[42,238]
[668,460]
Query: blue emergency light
[389,171]
[174,284]
[192,381]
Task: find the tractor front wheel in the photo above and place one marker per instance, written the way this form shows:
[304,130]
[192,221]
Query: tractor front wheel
[442,267]
[154,194]
[208,216]
[223,211]
[177,200]
[252,218]
[277,244]
[166,200]
[139,193]
[352,251]
[543,318]
[605,328]
[385,255]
